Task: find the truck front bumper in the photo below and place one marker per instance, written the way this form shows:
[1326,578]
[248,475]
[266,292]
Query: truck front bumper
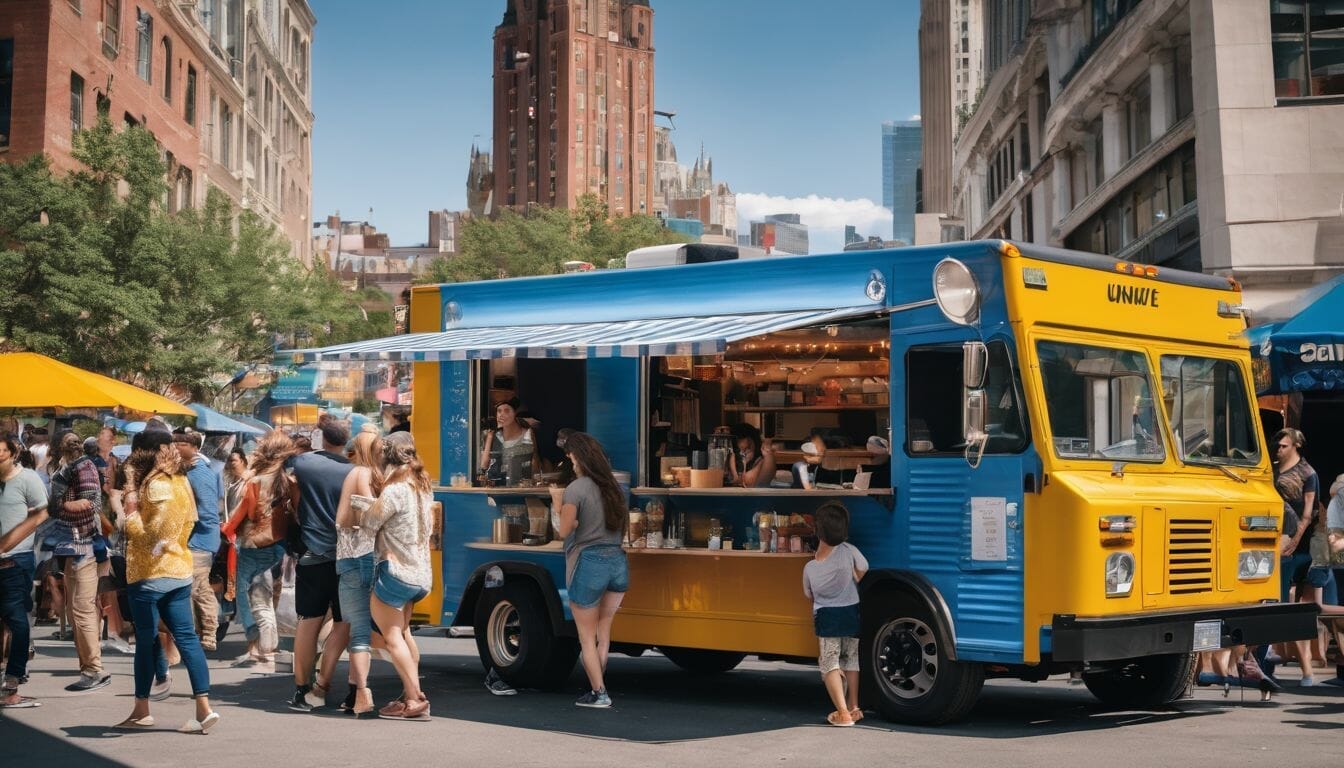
[1109,638]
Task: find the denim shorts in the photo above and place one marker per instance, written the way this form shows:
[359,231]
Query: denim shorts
[600,570]
[356,575]
[393,591]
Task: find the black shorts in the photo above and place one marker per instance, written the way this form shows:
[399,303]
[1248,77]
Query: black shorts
[317,590]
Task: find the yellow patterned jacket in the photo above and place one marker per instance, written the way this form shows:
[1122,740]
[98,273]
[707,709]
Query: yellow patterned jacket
[156,538]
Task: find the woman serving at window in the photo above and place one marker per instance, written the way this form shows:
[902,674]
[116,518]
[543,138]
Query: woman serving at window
[510,451]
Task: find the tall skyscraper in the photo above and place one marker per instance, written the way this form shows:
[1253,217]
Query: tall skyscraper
[901,147]
[573,107]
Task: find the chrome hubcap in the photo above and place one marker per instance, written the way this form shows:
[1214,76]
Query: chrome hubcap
[905,655]
[504,634]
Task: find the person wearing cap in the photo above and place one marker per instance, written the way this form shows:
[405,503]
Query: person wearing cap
[204,541]
[880,469]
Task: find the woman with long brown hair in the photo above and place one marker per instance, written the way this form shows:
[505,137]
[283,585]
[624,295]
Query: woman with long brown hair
[402,523]
[159,576]
[255,528]
[592,518]
[355,563]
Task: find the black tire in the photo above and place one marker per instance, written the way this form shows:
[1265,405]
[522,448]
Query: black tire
[702,662]
[1150,681]
[907,676]
[515,637]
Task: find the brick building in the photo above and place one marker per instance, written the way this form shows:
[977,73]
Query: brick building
[174,68]
[573,105]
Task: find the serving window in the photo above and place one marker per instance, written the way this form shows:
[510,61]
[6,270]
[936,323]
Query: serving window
[551,395]
[825,385]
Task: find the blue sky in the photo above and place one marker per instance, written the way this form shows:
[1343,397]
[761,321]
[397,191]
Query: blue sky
[788,97]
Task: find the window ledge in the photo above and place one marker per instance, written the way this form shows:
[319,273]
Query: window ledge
[1308,101]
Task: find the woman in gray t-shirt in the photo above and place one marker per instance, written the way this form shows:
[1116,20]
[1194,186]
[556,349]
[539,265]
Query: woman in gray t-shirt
[592,515]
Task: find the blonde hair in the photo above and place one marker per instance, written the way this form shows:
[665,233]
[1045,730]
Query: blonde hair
[368,453]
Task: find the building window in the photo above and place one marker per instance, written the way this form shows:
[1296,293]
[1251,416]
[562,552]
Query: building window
[579,101]
[1138,112]
[1185,94]
[111,26]
[581,76]
[167,46]
[1002,169]
[144,42]
[6,89]
[226,136]
[578,132]
[1308,45]
[190,96]
[103,104]
[76,103]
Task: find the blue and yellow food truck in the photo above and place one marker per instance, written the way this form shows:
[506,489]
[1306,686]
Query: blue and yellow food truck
[1077,476]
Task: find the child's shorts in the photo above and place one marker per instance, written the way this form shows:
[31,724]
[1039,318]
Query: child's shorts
[838,653]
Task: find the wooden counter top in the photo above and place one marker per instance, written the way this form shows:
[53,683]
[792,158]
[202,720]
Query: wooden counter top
[502,491]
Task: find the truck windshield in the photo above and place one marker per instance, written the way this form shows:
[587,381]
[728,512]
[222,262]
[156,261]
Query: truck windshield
[1100,403]
[1210,412]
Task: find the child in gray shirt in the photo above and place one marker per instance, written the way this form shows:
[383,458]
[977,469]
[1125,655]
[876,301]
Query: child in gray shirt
[830,581]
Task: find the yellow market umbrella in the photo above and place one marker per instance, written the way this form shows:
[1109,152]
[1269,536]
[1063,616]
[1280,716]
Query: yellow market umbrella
[30,380]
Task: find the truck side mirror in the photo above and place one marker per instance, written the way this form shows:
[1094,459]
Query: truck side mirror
[974,416]
[974,362]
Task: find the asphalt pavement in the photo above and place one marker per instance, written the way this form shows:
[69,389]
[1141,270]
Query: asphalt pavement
[759,714]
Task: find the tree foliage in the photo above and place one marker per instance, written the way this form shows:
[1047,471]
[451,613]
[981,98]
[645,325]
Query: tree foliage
[541,240]
[95,272]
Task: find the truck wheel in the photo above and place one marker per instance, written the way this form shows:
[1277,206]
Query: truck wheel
[702,662]
[906,672]
[514,635]
[1150,681]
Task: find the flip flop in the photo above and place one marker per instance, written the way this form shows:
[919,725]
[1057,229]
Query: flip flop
[133,723]
[834,719]
[24,702]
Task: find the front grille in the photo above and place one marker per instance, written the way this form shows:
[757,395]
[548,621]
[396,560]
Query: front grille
[1189,556]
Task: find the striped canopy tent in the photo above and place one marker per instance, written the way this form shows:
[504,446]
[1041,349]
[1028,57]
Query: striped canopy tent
[626,338]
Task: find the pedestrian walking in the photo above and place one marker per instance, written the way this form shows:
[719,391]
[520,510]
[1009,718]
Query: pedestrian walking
[318,477]
[592,519]
[159,572]
[257,528]
[23,506]
[355,562]
[77,498]
[208,495]
[401,523]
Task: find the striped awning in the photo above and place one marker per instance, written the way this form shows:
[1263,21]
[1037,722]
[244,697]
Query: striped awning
[626,338]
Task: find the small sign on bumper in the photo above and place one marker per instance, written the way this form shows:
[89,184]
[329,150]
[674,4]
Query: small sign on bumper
[1208,635]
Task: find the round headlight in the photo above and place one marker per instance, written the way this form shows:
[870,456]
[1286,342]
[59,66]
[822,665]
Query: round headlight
[956,291]
[1119,574]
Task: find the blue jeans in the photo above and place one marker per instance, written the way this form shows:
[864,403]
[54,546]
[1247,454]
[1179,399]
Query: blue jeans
[356,575]
[601,569]
[174,608]
[252,565]
[16,600]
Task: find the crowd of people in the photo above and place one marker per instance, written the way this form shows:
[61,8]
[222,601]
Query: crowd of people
[1311,570]
[163,542]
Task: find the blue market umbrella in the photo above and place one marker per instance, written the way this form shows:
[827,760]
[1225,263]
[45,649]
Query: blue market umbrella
[1304,353]
[210,420]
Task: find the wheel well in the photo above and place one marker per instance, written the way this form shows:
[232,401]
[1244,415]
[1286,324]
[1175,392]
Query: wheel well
[880,584]
[516,571]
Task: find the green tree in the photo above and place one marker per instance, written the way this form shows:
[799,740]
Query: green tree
[95,272]
[541,240]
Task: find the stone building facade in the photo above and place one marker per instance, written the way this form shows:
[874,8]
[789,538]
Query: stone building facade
[1197,134]
[176,69]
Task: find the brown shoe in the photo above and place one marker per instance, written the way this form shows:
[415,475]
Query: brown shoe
[416,710]
[393,710]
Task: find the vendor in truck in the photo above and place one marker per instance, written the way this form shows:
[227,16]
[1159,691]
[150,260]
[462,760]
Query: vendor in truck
[509,453]
[752,464]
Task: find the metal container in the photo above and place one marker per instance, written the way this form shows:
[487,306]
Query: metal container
[499,533]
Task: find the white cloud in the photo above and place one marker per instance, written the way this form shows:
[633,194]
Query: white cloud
[825,217]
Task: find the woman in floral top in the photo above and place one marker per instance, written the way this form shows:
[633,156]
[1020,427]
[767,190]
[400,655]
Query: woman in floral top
[402,522]
[159,575]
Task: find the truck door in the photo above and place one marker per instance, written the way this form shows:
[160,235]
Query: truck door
[963,523]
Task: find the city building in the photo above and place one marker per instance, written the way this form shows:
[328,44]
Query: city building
[852,235]
[1198,134]
[176,69]
[781,234]
[362,257]
[480,184]
[692,193]
[573,104]
[901,148]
